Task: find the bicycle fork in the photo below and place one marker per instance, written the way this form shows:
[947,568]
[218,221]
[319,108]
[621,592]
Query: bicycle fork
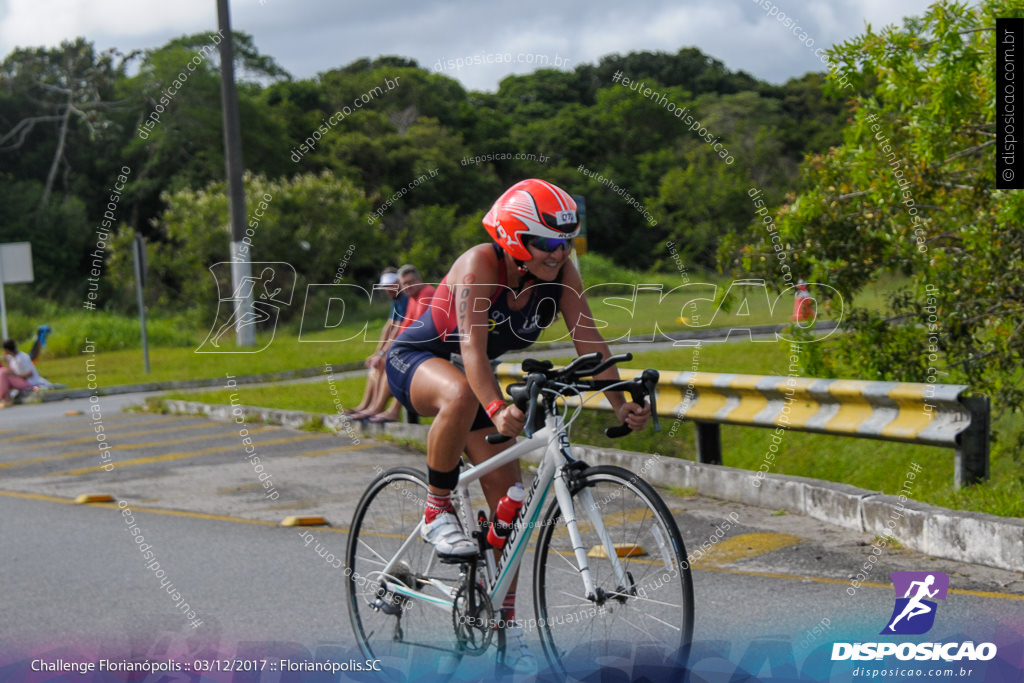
[585,496]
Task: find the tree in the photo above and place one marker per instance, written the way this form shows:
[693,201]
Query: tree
[57,90]
[308,221]
[912,190]
[174,135]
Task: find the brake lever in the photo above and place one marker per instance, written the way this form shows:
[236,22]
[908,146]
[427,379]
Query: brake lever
[650,378]
[534,381]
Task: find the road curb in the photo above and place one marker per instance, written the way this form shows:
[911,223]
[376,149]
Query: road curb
[939,532]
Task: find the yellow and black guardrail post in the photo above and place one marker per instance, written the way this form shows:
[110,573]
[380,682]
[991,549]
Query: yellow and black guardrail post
[918,413]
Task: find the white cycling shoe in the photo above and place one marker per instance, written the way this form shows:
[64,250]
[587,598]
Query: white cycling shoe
[518,656]
[446,535]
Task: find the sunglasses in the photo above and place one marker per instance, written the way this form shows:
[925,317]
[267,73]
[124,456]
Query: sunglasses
[550,244]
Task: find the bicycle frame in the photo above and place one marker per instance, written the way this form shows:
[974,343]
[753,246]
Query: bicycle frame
[552,473]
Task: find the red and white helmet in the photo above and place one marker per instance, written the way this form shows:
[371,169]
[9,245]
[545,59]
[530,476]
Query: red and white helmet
[531,207]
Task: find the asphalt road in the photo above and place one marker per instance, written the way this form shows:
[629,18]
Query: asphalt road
[74,580]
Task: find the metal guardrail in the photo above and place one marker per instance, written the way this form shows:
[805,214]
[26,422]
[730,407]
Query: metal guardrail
[918,413]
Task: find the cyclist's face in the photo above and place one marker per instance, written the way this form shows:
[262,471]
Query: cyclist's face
[546,264]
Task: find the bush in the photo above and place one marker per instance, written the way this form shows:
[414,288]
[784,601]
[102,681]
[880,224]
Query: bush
[107,331]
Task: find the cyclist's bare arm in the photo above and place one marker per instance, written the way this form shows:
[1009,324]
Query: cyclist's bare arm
[473,278]
[586,338]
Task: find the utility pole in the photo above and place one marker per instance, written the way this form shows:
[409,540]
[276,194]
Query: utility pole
[245,334]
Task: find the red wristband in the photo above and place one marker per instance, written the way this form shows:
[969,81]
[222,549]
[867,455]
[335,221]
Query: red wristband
[493,407]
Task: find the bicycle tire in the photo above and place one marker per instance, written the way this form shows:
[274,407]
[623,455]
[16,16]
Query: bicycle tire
[644,628]
[407,641]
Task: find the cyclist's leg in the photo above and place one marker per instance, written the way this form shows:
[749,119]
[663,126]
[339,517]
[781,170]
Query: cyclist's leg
[438,389]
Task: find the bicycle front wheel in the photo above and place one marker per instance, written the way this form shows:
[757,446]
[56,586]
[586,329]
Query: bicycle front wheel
[410,634]
[645,620]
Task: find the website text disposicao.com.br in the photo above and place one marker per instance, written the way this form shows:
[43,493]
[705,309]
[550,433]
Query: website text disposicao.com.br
[911,659]
[534,59]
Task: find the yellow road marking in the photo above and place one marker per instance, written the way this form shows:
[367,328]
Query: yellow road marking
[745,546]
[82,426]
[88,439]
[77,454]
[720,570]
[180,456]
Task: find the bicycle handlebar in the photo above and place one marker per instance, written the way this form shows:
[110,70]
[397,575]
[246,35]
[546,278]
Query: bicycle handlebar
[541,375]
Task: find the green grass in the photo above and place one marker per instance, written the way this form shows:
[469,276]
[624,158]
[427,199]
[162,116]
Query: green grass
[115,365]
[313,397]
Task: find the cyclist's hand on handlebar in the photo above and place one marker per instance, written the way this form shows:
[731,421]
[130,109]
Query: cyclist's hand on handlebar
[509,420]
[633,415]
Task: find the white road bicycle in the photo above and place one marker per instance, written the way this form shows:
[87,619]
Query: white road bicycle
[610,576]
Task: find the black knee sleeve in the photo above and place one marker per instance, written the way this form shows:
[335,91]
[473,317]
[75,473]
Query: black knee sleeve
[443,480]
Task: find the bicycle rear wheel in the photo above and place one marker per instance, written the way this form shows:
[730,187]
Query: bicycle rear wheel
[412,636]
[644,626]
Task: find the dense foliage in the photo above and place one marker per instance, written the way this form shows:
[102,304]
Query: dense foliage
[912,189]
[420,153]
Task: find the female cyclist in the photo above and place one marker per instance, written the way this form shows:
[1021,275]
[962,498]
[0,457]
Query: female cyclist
[496,298]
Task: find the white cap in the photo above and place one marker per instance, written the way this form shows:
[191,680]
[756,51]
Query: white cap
[387,279]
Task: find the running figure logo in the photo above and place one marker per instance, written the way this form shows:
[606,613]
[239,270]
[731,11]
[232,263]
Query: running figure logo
[269,290]
[914,612]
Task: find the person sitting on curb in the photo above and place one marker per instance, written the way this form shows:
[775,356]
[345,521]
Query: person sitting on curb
[372,402]
[419,296]
[20,373]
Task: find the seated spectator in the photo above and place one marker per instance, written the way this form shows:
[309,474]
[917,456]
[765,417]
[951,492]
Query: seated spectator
[371,404]
[20,373]
[418,296]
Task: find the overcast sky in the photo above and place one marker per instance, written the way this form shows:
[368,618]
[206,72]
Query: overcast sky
[308,37]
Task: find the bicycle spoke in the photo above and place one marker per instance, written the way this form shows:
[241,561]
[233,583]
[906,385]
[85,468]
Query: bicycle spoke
[640,599]
[366,546]
[368,560]
[671,626]
[641,630]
